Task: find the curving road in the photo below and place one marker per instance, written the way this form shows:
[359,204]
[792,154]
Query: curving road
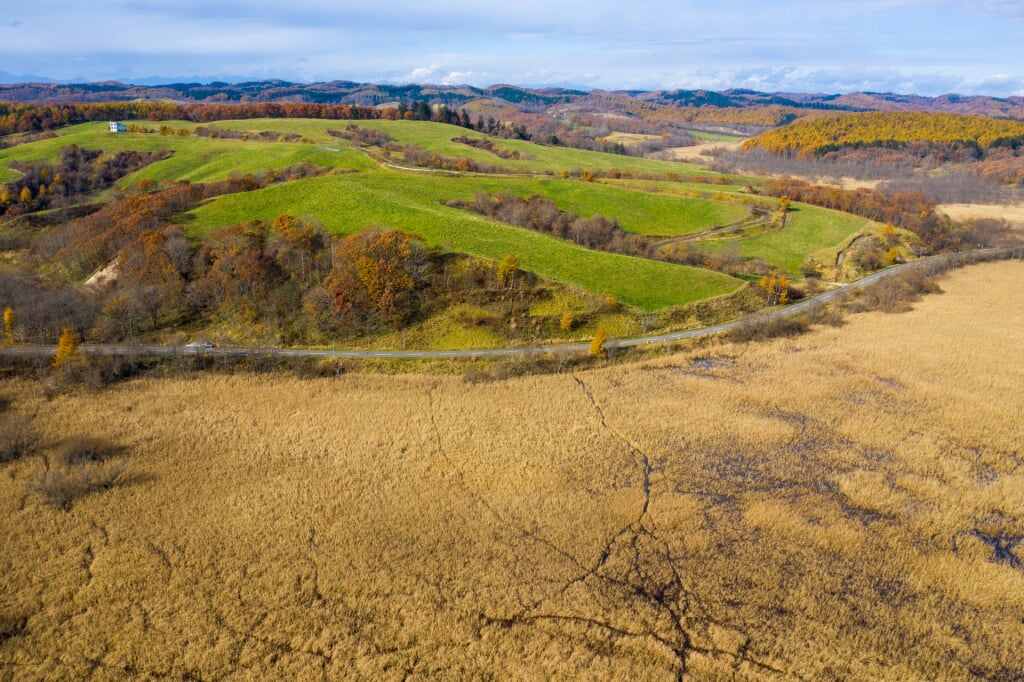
[570,348]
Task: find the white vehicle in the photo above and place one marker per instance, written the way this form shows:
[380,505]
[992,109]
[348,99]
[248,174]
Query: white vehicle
[200,345]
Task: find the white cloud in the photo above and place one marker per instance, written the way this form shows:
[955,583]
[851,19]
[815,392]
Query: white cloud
[422,74]
[460,78]
[785,45]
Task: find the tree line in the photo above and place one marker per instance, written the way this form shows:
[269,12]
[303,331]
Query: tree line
[34,118]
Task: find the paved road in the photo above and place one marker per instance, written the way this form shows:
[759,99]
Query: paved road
[571,348]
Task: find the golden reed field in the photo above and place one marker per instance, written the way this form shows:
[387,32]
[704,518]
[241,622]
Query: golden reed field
[848,504]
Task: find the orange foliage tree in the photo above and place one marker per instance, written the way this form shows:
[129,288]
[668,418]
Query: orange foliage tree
[375,274]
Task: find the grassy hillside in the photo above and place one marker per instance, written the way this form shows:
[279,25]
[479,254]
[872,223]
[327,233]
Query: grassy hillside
[195,159]
[359,193]
[827,507]
[436,137]
[809,229]
[349,203]
[661,214]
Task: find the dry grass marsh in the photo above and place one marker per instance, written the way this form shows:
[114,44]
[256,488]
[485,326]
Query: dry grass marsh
[848,504]
[1013,214]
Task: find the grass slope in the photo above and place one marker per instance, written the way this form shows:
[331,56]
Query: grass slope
[437,138]
[195,159]
[411,201]
[809,229]
[349,203]
[641,212]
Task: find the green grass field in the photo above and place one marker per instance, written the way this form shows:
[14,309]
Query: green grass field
[352,202]
[705,136]
[808,229]
[367,195]
[195,159]
[640,212]
[436,137]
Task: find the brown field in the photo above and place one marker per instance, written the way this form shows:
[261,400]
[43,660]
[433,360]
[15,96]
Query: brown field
[629,139]
[845,182]
[848,504]
[1011,214]
[698,153]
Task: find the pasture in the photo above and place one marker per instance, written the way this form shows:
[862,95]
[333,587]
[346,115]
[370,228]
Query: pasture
[357,193]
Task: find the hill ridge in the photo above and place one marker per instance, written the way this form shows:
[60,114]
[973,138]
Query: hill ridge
[351,92]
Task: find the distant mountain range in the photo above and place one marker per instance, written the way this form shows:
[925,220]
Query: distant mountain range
[523,99]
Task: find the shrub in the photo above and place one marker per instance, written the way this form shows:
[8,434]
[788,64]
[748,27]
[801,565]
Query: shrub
[566,321]
[892,294]
[17,437]
[81,449]
[11,627]
[790,325]
[59,487]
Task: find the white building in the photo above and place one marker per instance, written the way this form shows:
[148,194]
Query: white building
[116,127]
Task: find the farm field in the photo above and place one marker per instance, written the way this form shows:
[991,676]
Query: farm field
[841,505]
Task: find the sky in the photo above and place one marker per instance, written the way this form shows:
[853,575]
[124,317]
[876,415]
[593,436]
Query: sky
[905,46]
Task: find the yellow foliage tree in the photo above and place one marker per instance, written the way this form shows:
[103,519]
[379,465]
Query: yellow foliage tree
[597,348]
[565,323]
[5,196]
[26,196]
[776,288]
[10,322]
[507,269]
[67,348]
[889,233]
